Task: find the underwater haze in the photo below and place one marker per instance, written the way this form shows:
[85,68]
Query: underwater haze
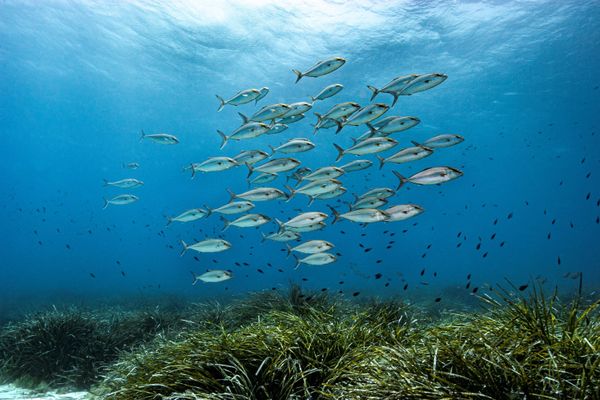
[80,80]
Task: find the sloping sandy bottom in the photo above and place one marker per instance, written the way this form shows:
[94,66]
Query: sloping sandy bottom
[11,392]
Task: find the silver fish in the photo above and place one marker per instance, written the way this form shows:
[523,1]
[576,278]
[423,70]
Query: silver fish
[265,177]
[365,115]
[302,220]
[269,112]
[392,125]
[131,165]
[356,165]
[259,194]
[189,215]
[402,212]
[323,173]
[298,145]
[214,164]
[277,128]
[274,166]
[382,193]
[128,183]
[284,236]
[363,215]
[206,246]
[309,228]
[297,108]
[338,191]
[263,92]
[212,276]
[315,188]
[321,68]
[440,141]
[406,155]
[430,176]
[161,138]
[328,92]
[316,259]
[367,146]
[235,207]
[291,119]
[393,86]
[250,156]
[243,97]
[338,111]
[368,202]
[121,200]
[311,247]
[324,123]
[246,131]
[246,221]
[422,83]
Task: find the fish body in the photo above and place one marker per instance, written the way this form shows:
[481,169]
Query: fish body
[263,92]
[422,83]
[308,228]
[235,207]
[315,188]
[259,194]
[128,183]
[275,165]
[121,200]
[338,191]
[206,246]
[367,114]
[265,177]
[297,108]
[356,165]
[363,215]
[393,86]
[277,128]
[323,173]
[311,247]
[298,145]
[212,276]
[367,146]
[406,155]
[190,215]
[430,176]
[316,259]
[291,119]
[303,220]
[247,221]
[402,212]
[382,193]
[242,97]
[325,123]
[284,236]
[269,112]
[340,110]
[214,164]
[131,165]
[250,157]
[393,124]
[248,130]
[445,140]
[368,202]
[328,92]
[160,138]
[321,68]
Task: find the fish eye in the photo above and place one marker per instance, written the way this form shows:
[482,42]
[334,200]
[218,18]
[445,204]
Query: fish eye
[427,81]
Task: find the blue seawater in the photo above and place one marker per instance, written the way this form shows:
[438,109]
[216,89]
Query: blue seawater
[79,80]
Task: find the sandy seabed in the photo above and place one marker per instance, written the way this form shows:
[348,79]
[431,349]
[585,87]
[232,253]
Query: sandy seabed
[11,392]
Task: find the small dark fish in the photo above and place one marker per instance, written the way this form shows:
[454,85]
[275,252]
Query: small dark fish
[496,221]
[558,260]
[68,246]
[468,285]
[343,232]
[323,289]
[468,276]
[40,242]
[523,287]
[423,255]
[92,275]
[118,262]
[478,246]
[196,258]
[438,299]
[378,261]
[341,282]
[378,275]
[549,236]
[237,264]
[502,244]
[362,246]
[435,274]
[405,286]
[428,246]
[493,236]
[388,246]
[304,279]
[554,221]
[260,270]
[485,254]
[338,254]
[368,249]
[245,264]
[423,272]
[475,290]
[458,244]
[279,270]
[355,294]
[587,197]
[459,233]
[509,216]
[123,273]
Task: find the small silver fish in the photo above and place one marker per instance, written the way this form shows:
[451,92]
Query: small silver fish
[243,97]
[328,92]
[121,200]
[284,236]
[250,156]
[439,141]
[422,83]
[212,276]
[274,166]
[259,194]
[291,119]
[321,68]
[248,130]
[316,259]
[382,193]
[131,165]
[128,183]
[213,164]
[302,220]
[265,177]
[298,145]
[297,108]
[402,212]
[323,173]
[277,128]
[235,207]
[311,247]
[368,202]
[367,146]
[392,125]
[161,138]
[308,228]
[269,112]
[393,86]
[206,246]
[406,155]
[338,191]
[189,215]
[365,115]
[430,176]
[363,215]
[356,165]
[315,188]
[246,221]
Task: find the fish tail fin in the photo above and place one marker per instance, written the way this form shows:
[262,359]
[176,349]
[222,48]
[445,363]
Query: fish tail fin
[280,227]
[336,215]
[298,75]
[417,143]
[143,135]
[340,152]
[340,125]
[226,223]
[105,204]
[297,261]
[374,90]
[208,210]
[263,238]
[105,182]
[193,170]
[169,221]
[312,99]
[292,192]
[222,102]
[232,195]
[195,280]
[272,150]
[185,248]
[381,161]
[250,170]
[356,198]
[395,99]
[224,139]
[311,199]
[289,250]
[401,178]
[372,129]
[243,117]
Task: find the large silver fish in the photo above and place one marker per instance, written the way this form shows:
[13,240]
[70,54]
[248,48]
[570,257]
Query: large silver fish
[356,165]
[311,247]
[393,86]
[259,194]
[246,221]
[430,176]
[128,183]
[213,164]
[315,188]
[422,83]
[338,111]
[250,156]
[363,215]
[327,92]
[284,236]
[274,166]
[206,246]
[365,115]
[297,108]
[248,130]
[234,207]
[291,119]
[320,68]
[266,113]
[189,215]
[323,173]
[381,193]
[402,212]
[316,259]
[302,220]
[308,228]
[212,276]
[161,138]
[298,145]
[392,125]
[265,177]
[439,141]
[243,97]
[406,155]
[368,202]
[121,200]
[367,146]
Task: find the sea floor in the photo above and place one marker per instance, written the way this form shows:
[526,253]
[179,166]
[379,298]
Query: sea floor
[11,392]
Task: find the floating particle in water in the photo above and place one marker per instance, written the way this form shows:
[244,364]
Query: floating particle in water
[588,175]
[558,260]
[378,261]
[582,160]
[123,273]
[40,242]
[387,284]
[323,289]
[118,262]
[89,231]
[571,224]
[378,275]
[92,275]
[355,294]
[343,232]
[438,299]
[68,246]
[523,287]
[279,270]
[305,279]
[434,274]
